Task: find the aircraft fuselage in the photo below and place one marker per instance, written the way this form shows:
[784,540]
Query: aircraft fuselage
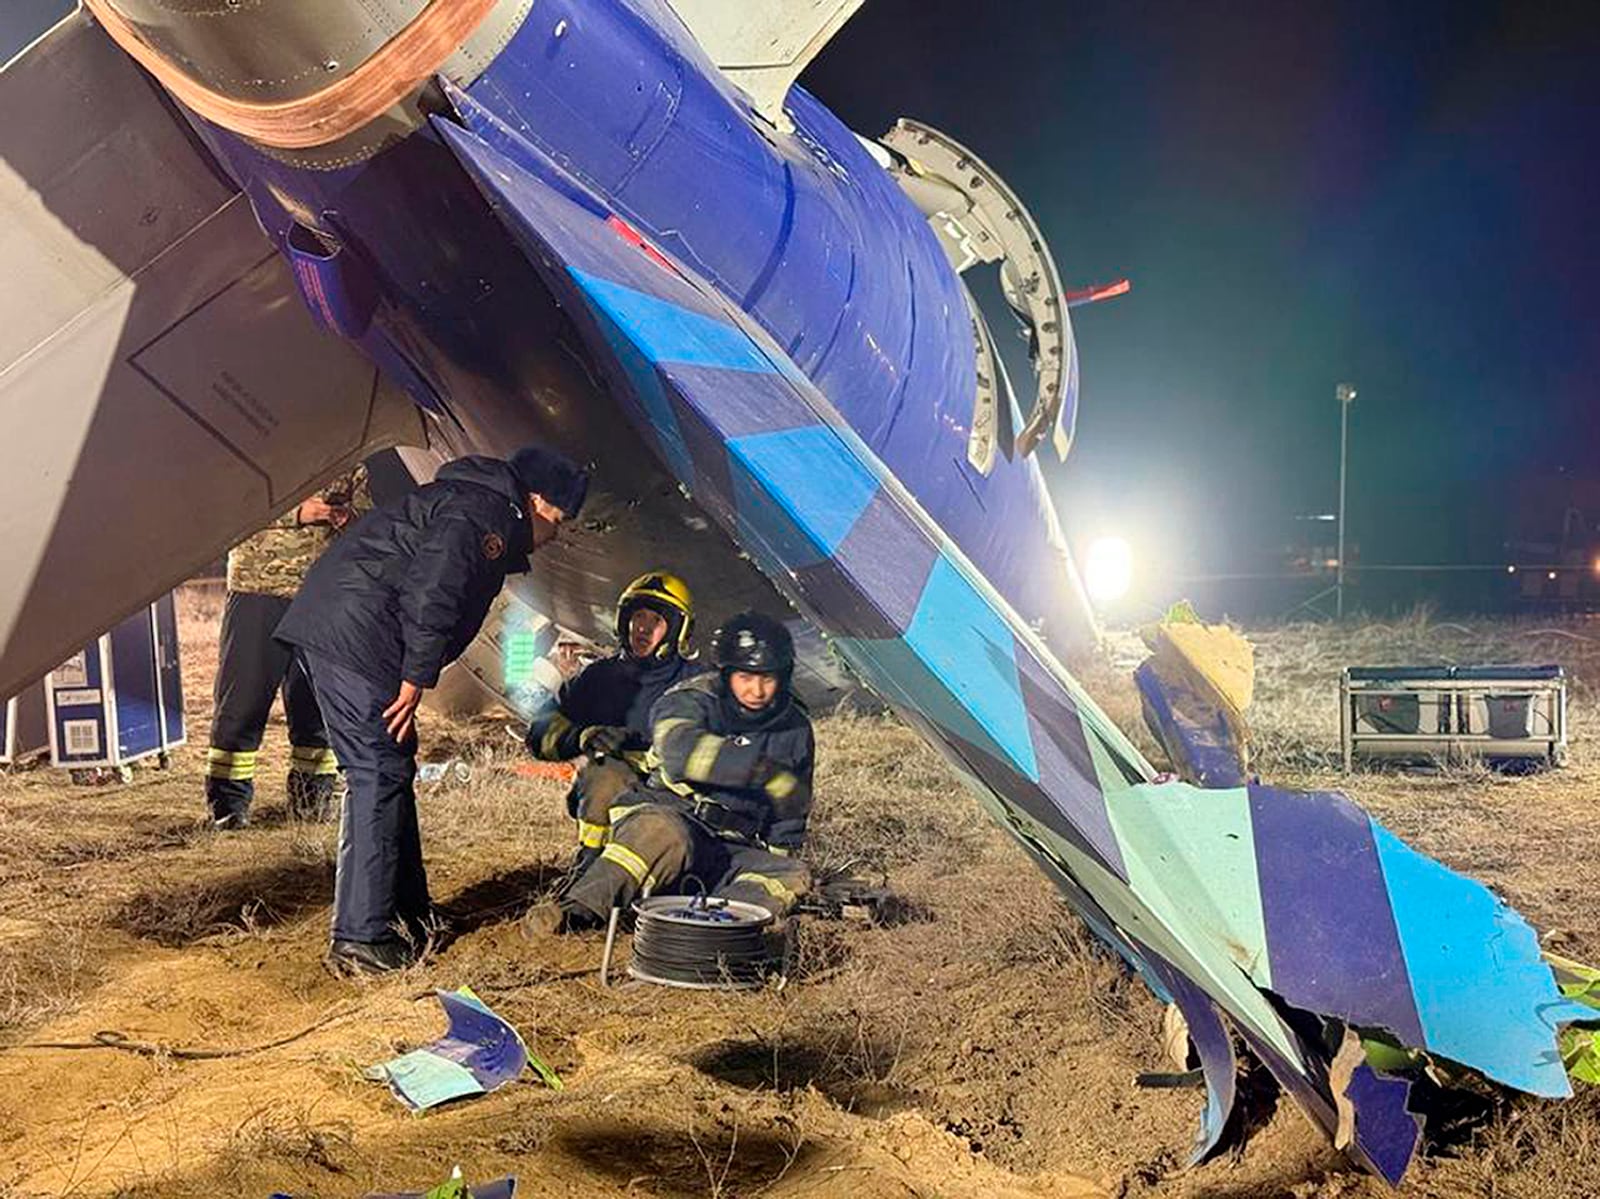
[803,230]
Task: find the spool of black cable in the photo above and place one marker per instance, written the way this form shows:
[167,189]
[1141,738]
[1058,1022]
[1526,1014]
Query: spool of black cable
[701,942]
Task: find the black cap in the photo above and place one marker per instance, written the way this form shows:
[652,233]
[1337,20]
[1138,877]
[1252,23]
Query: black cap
[558,479]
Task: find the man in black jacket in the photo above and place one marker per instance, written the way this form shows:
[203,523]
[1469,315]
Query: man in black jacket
[395,600]
[727,804]
[603,715]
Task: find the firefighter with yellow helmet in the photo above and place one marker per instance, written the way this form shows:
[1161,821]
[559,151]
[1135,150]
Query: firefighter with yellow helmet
[602,715]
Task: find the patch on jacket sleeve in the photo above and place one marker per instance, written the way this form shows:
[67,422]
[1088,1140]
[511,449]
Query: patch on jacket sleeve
[494,546]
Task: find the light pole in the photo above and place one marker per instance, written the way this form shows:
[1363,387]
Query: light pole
[1344,393]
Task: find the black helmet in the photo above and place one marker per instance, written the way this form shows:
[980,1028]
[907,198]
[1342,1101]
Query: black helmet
[753,642]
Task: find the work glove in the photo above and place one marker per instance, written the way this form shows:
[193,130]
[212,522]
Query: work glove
[601,740]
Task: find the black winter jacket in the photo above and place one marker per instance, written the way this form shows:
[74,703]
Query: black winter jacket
[748,774]
[617,691]
[406,588]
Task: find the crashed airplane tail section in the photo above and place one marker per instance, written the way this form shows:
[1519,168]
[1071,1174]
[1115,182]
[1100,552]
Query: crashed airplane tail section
[1284,917]
[1337,919]
[1334,915]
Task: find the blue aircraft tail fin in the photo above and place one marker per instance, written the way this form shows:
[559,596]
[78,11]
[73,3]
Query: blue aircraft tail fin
[1263,907]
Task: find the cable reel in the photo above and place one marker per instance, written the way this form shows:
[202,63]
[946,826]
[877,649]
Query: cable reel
[701,942]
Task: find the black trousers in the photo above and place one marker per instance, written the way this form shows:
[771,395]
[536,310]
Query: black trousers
[380,884]
[251,669]
[658,848]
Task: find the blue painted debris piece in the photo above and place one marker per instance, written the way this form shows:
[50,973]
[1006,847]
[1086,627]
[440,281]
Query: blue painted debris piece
[1192,729]
[479,1053]
[1385,1127]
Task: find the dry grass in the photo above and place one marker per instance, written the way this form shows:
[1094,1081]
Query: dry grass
[45,975]
[291,1133]
[974,1050]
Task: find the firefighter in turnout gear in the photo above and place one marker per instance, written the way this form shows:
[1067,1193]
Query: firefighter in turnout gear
[603,715]
[399,598]
[728,798]
[264,573]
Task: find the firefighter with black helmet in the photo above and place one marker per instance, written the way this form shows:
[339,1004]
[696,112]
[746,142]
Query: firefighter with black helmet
[729,793]
[603,714]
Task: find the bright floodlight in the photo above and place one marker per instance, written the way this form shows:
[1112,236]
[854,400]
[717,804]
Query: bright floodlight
[1108,570]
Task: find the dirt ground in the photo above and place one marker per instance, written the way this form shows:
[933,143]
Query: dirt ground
[983,1047]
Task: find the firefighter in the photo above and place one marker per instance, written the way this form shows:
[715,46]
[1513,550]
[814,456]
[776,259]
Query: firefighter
[398,598]
[603,714]
[264,573]
[727,800]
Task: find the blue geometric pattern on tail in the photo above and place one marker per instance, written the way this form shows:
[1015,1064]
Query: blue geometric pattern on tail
[967,644]
[667,332]
[823,491]
[1472,990]
[649,392]
[964,669]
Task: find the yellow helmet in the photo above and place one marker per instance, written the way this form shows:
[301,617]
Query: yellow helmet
[669,597]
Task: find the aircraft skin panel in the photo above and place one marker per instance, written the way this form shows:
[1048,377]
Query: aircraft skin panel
[764,45]
[792,228]
[205,359]
[146,324]
[1315,946]
[1441,932]
[795,462]
[1213,875]
[1375,1116]
[83,126]
[1213,1044]
[964,682]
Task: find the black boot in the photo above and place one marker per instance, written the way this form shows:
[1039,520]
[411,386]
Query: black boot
[228,801]
[365,958]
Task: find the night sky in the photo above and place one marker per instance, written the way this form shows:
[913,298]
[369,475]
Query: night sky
[1397,194]
[1401,195]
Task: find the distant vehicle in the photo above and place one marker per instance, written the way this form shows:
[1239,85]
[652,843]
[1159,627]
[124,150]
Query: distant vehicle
[1554,553]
